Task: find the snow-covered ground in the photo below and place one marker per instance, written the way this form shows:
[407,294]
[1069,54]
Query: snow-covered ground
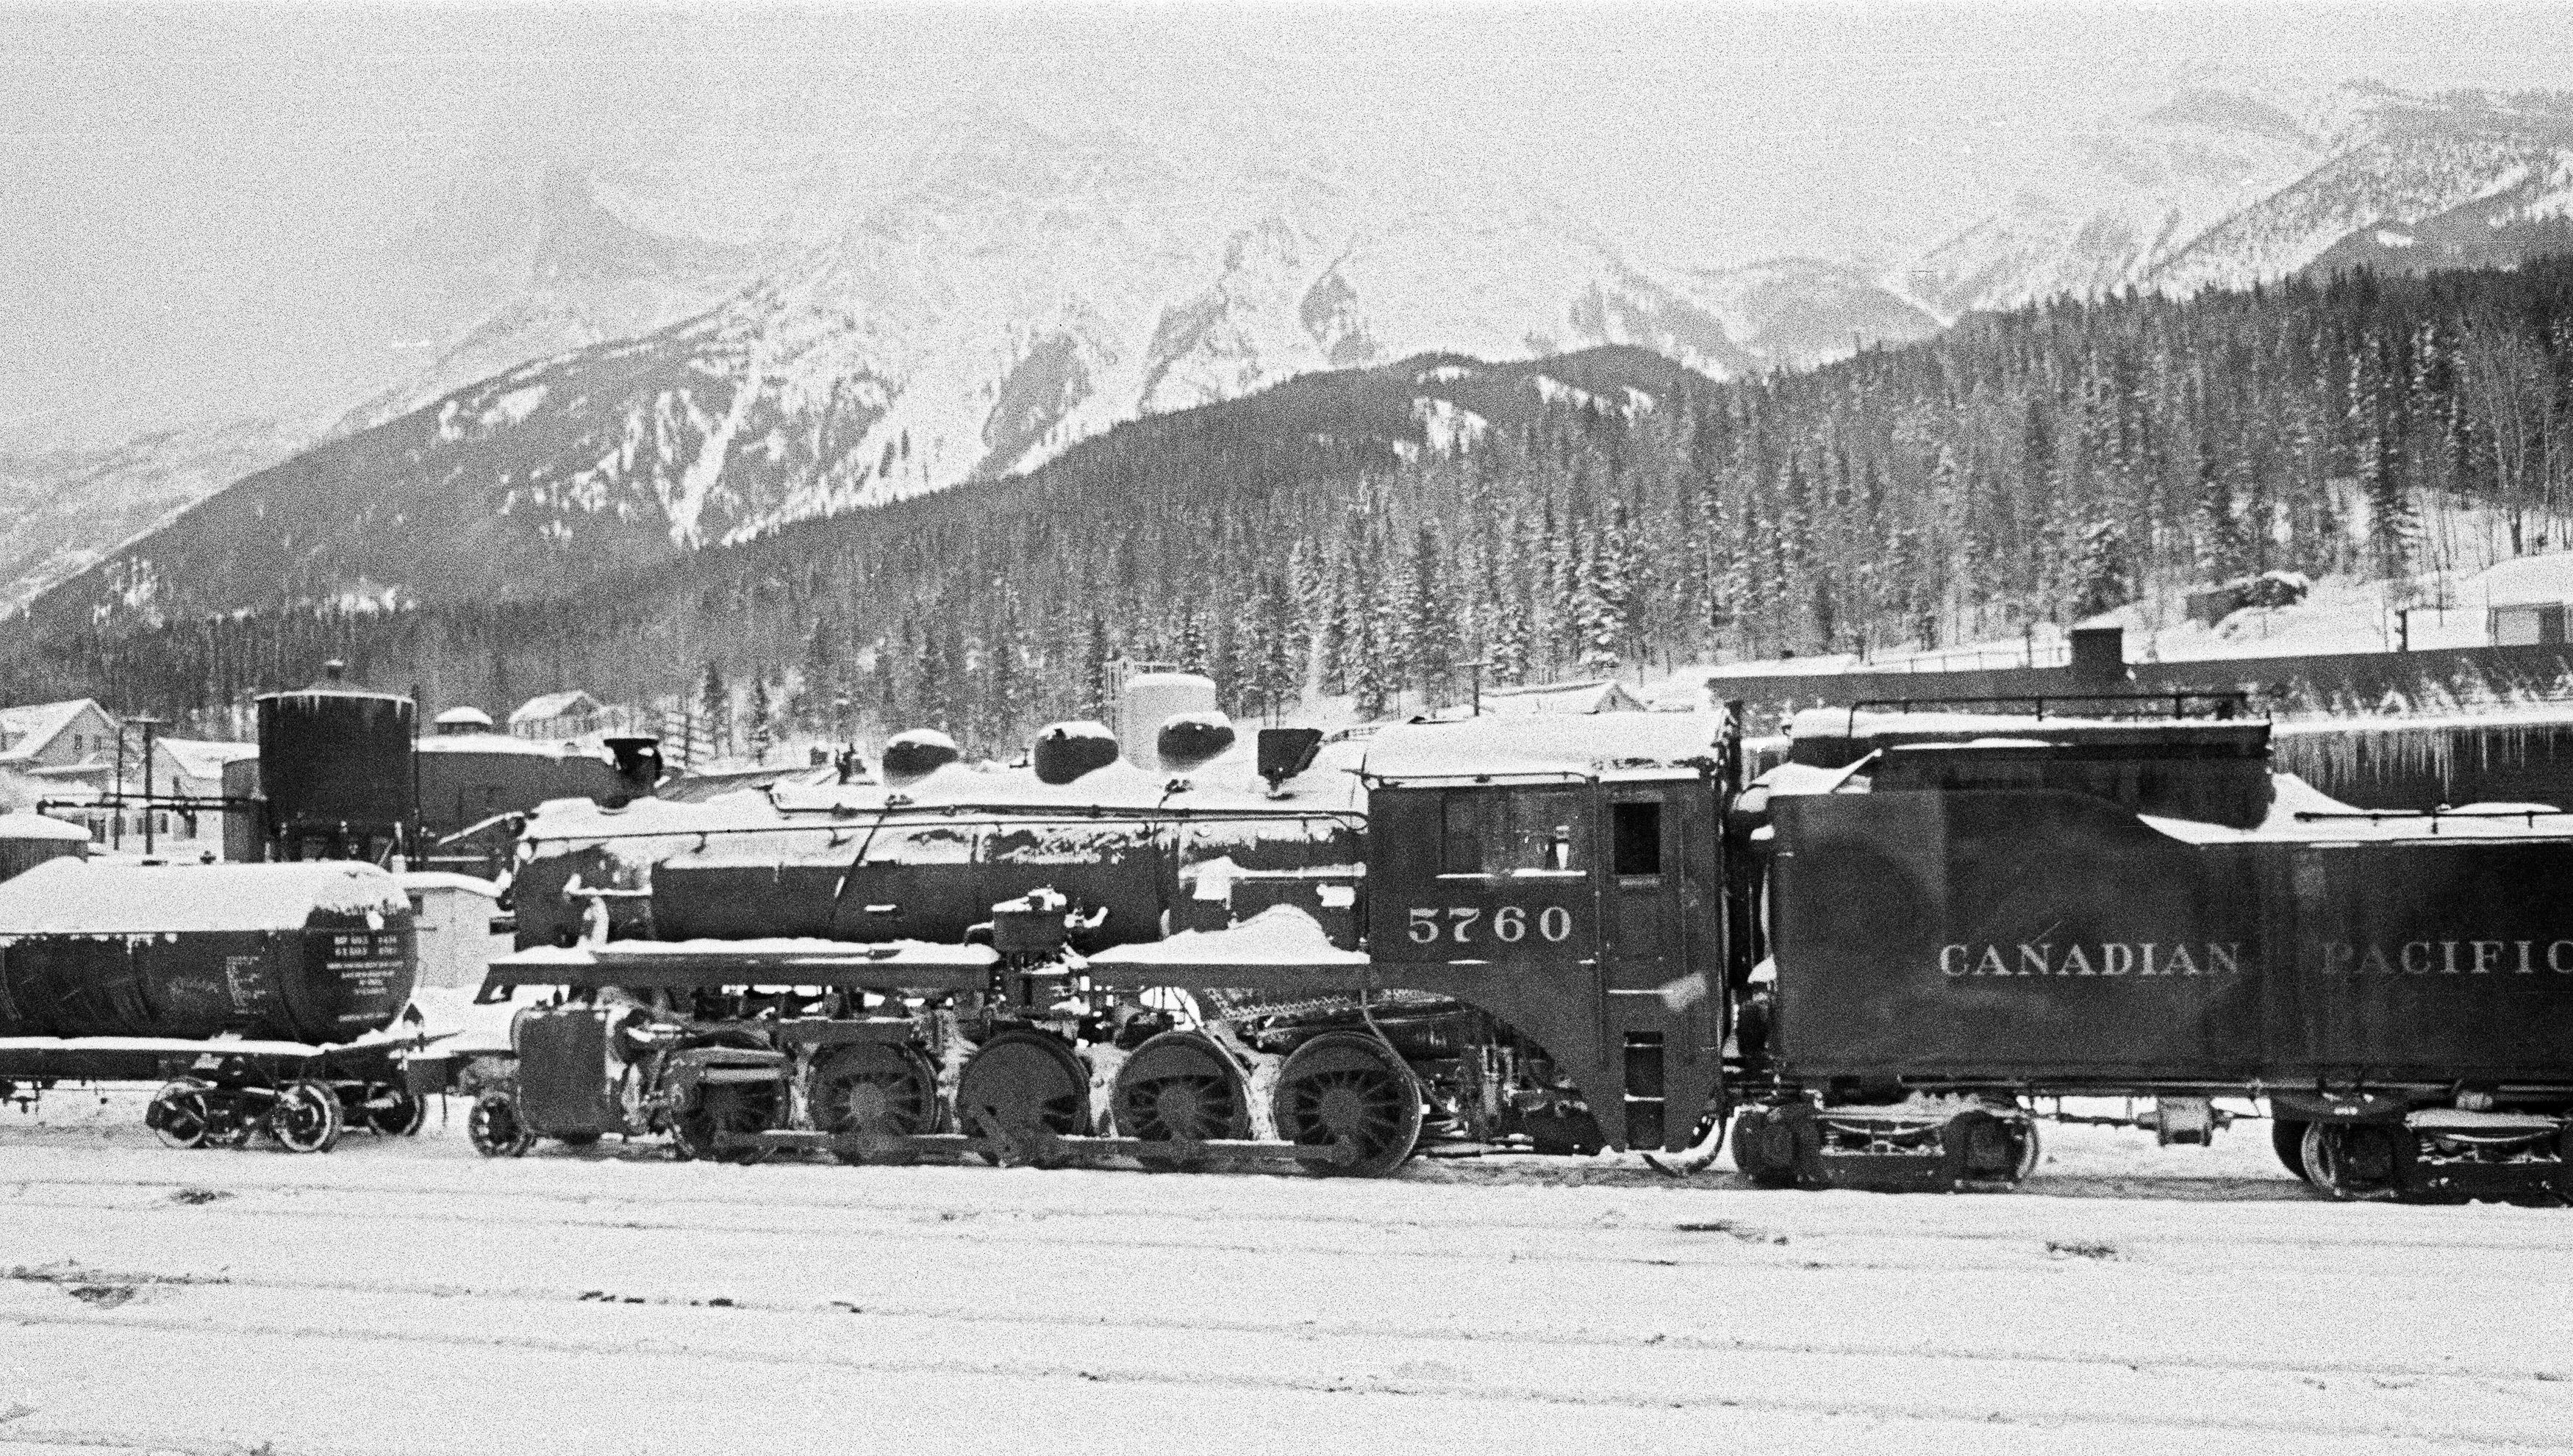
[408,1296]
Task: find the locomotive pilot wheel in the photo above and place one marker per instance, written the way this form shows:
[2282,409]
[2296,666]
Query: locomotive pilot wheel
[1020,1086]
[736,1108]
[1349,1090]
[497,1129]
[306,1117]
[875,1089]
[179,1115]
[1179,1087]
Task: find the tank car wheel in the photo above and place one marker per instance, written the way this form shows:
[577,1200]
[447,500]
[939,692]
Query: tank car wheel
[1179,1087]
[1345,1090]
[877,1089]
[2287,1140]
[737,1107]
[497,1129]
[2353,1161]
[1024,1080]
[179,1116]
[306,1117]
[394,1112]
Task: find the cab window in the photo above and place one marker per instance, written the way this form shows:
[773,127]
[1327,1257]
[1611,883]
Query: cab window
[1509,831]
[1636,837]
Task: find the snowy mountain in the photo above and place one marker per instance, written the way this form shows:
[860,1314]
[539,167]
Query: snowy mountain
[567,271]
[2227,188]
[65,507]
[626,455]
[652,362]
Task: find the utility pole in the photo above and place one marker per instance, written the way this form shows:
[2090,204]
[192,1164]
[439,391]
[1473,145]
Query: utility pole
[147,723]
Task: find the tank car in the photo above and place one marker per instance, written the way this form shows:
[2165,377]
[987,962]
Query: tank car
[260,992]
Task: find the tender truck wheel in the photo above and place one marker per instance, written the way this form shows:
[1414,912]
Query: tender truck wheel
[2287,1140]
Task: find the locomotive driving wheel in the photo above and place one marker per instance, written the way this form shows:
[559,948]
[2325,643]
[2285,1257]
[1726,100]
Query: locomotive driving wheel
[1179,1087]
[1351,1091]
[875,1089]
[1019,1084]
[1022,1083]
[306,1117]
[179,1115]
[2355,1160]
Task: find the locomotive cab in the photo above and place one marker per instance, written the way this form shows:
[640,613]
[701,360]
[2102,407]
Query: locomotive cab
[1581,909]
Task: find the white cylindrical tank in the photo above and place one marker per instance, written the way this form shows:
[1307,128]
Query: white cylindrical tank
[1151,699]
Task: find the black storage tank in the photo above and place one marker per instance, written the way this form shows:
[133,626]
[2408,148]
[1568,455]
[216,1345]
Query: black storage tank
[314,953]
[336,765]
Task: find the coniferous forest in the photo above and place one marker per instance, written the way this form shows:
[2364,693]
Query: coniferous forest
[1613,512]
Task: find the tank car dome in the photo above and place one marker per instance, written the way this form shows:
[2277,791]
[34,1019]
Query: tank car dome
[462,720]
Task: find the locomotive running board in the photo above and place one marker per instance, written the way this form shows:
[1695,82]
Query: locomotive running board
[1050,1147]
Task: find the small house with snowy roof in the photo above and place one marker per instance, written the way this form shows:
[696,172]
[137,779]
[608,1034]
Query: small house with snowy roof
[190,767]
[1605,695]
[50,738]
[556,715]
[2524,600]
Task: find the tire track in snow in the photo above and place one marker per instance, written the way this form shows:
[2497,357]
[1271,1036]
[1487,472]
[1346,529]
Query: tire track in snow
[1791,1219]
[894,1309]
[1238,1380]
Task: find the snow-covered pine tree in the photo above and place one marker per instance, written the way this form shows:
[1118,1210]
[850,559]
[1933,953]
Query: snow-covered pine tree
[763,714]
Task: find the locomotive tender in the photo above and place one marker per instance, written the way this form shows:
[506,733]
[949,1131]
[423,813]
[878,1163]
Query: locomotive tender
[1562,933]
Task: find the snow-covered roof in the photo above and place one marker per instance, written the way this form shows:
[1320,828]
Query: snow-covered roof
[27,729]
[497,743]
[1586,744]
[455,718]
[78,897]
[22,825]
[200,758]
[2299,811]
[1605,695]
[2530,581]
[554,705]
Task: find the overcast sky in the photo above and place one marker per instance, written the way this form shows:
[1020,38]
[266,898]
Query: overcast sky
[206,208]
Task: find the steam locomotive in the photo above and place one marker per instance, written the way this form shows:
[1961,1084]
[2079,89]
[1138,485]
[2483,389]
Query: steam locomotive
[1870,962]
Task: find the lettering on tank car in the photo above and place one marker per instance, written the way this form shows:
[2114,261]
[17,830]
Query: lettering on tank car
[2136,958]
[247,979]
[2444,957]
